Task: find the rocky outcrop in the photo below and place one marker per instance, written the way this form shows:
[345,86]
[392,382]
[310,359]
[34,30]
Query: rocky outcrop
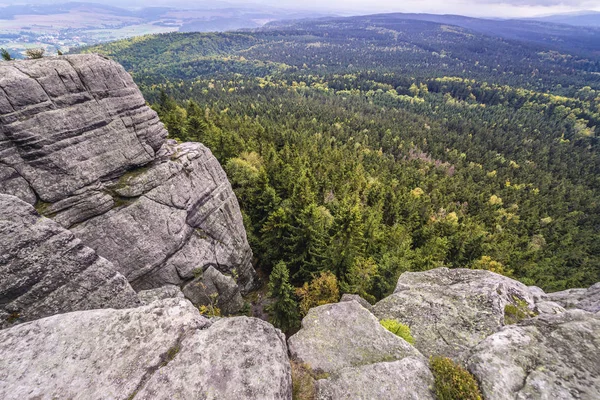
[164,350]
[408,378]
[449,311]
[78,141]
[236,358]
[161,293]
[547,357]
[349,348]
[584,299]
[212,288]
[46,270]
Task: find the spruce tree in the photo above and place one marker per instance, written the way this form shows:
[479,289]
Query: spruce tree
[284,310]
[5,55]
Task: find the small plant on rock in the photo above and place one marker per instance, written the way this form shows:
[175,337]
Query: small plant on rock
[453,382]
[514,313]
[398,329]
[33,54]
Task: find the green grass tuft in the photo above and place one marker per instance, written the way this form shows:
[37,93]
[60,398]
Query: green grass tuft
[398,329]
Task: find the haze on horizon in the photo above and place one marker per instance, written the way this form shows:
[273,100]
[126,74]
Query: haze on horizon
[476,8]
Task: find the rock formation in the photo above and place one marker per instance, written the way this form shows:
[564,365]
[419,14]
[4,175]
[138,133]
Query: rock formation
[78,141]
[547,357]
[359,357]
[164,350]
[451,310]
[45,270]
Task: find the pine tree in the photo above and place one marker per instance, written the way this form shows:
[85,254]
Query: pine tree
[5,55]
[284,311]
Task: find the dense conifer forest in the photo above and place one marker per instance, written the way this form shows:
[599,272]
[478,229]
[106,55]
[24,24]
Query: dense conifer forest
[364,147]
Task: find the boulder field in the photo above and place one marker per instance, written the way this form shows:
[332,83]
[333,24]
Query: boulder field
[112,236]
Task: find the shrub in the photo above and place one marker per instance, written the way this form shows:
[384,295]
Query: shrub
[453,382]
[33,54]
[321,290]
[398,329]
[303,384]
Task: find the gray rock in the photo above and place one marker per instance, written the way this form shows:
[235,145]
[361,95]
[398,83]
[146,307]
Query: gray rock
[237,358]
[409,378]
[161,293]
[188,221]
[79,141]
[537,293]
[45,270]
[214,288]
[100,354]
[549,307]
[584,299]
[567,298]
[547,357]
[71,121]
[591,300]
[450,311]
[358,299]
[164,350]
[342,335]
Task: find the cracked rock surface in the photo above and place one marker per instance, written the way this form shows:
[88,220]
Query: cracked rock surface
[78,141]
[164,350]
[359,357]
[46,270]
[547,357]
[450,311]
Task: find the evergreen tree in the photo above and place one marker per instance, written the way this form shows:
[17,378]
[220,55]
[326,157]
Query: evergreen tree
[284,311]
[5,55]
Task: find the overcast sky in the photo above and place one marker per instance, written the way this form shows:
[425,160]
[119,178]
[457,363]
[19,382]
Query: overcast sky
[488,8]
[498,8]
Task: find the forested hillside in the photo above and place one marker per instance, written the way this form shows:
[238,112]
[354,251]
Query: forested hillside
[366,147]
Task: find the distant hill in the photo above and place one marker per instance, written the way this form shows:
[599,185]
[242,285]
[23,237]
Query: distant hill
[587,18]
[554,35]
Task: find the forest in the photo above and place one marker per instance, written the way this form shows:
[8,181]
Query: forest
[361,148]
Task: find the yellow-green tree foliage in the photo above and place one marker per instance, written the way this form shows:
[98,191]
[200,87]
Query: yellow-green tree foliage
[322,290]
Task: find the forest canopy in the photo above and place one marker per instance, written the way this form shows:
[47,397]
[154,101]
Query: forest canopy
[365,148]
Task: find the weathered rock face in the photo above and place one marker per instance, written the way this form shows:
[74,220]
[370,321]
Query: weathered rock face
[547,357]
[161,293]
[45,270]
[584,299]
[237,358]
[79,142]
[408,378]
[363,360]
[163,350]
[336,336]
[214,288]
[451,311]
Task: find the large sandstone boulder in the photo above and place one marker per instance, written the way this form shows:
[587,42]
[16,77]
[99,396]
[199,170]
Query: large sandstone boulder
[450,311]
[46,270]
[356,357]
[236,358]
[164,350]
[408,379]
[78,141]
[336,336]
[547,357]
[584,299]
